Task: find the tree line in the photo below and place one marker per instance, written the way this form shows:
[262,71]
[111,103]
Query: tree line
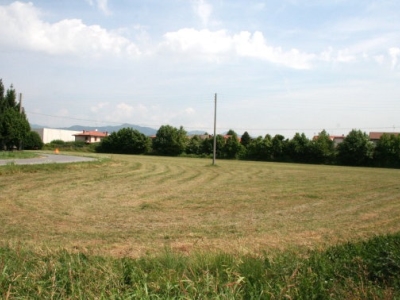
[355,150]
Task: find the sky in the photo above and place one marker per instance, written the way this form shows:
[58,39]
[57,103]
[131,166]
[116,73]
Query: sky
[274,67]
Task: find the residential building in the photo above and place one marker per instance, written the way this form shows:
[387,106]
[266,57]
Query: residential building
[89,137]
[336,139]
[375,136]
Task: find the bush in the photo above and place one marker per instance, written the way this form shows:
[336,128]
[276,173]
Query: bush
[33,141]
[70,146]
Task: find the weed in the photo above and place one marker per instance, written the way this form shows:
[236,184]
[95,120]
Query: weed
[342,271]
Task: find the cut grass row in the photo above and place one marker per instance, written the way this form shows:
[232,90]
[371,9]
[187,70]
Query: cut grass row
[145,227]
[136,205]
[362,270]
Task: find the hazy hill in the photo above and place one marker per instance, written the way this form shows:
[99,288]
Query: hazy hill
[145,130]
[110,129]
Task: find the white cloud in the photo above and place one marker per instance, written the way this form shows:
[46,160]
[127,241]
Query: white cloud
[327,55]
[254,45]
[379,59]
[219,44]
[141,114]
[203,10]
[189,111]
[102,5]
[63,112]
[189,40]
[345,56]
[394,53]
[22,28]
[122,112]
[98,107]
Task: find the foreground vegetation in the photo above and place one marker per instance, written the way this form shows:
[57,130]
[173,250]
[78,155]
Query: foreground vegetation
[361,270]
[161,227]
[16,154]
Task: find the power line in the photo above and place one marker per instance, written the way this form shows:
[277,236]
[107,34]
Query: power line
[72,118]
[265,129]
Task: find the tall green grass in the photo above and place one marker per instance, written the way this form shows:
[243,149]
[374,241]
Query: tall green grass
[362,270]
[17,154]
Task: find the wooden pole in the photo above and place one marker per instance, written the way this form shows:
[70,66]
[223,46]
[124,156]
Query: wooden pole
[215,129]
[20,111]
[20,103]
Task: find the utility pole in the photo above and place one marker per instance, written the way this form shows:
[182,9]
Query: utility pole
[20,111]
[215,129]
[20,103]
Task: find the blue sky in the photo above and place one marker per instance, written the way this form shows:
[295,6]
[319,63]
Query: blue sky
[277,66]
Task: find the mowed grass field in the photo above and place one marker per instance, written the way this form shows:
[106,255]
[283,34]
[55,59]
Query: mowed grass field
[139,205]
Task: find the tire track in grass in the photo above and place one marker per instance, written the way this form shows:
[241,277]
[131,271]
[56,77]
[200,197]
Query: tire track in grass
[139,202]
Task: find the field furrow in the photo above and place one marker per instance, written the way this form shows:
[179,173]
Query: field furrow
[131,205]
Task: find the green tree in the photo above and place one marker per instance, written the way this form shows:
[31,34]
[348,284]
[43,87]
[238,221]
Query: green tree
[208,145]
[231,132]
[170,141]
[11,98]
[194,146]
[323,149]
[260,148]
[246,139]
[279,148]
[14,126]
[33,141]
[125,141]
[299,148]
[356,149]
[232,148]
[387,151]
[1,94]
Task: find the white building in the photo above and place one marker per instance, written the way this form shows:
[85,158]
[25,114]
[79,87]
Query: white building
[50,134]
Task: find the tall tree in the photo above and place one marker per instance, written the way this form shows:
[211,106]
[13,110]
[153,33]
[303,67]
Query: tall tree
[33,141]
[170,141]
[231,132]
[194,146]
[207,145]
[14,126]
[356,149]
[299,148]
[232,147]
[387,151]
[1,93]
[260,148]
[125,141]
[323,149]
[246,139]
[279,148]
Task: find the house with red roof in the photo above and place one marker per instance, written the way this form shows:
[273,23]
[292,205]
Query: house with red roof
[375,136]
[336,139]
[90,136]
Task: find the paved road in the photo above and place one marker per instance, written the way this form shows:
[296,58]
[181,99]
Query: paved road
[46,159]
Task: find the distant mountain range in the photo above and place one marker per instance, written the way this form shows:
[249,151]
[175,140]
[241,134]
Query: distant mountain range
[145,130]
